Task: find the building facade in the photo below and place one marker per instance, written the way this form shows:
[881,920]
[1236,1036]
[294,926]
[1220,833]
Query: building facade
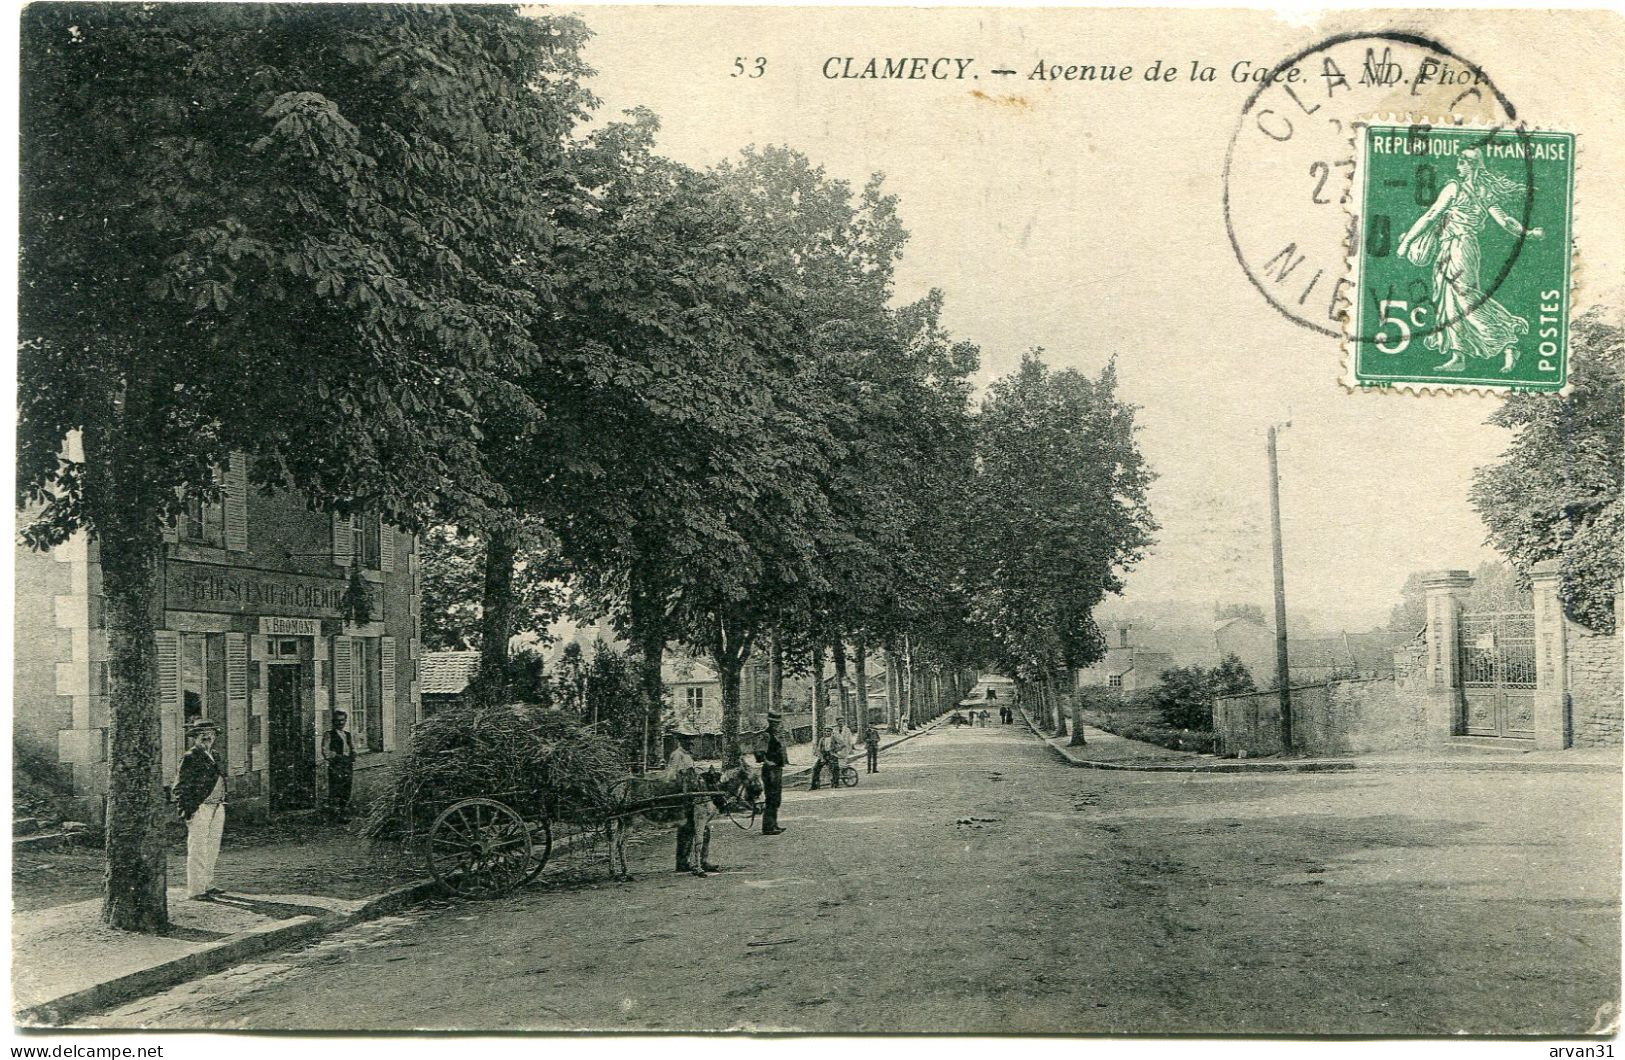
[1126,667]
[257,631]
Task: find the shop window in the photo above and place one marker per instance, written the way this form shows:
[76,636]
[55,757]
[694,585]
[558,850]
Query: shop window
[203,684]
[366,674]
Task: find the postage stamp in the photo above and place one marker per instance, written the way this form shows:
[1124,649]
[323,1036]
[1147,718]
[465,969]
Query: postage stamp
[1460,265]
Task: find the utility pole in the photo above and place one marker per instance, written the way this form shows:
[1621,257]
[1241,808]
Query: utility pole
[1281,669]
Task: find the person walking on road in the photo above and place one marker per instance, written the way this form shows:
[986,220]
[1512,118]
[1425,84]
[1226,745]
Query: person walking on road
[338,747]
[828,757]
[871,745]
[200,792]
[773,760]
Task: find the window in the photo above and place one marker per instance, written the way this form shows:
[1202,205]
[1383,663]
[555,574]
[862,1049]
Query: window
[696,699]
[204,522]
[203,683]
[1115,681]
[367,712]
[367,529]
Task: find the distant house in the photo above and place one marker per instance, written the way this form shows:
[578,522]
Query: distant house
[1126,666]
[1309,659]
[444,678]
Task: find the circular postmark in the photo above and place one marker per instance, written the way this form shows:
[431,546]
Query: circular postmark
[1291,209]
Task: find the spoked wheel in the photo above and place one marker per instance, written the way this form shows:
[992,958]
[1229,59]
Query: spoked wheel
[480,848]
[849,776]
[541,844]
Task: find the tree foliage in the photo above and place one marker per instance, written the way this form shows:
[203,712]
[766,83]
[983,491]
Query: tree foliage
[1555,494]
[1186,693]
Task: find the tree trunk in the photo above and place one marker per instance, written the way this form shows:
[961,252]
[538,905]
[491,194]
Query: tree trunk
[775,676]
[820,702]
[1078,739]
[729,665]
[892,689]
[863,683]
[122,505]
[646,612]
[838,650]
[497,616]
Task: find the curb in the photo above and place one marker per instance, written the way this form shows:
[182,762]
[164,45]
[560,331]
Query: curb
[232,950]
[1303,766]
[59,1012]
[1325,765]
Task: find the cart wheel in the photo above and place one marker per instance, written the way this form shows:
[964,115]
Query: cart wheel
[479,848]
[541,844]
[849,776]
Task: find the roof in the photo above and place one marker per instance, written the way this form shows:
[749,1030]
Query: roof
[1375,651]
[677,670]
[447,673]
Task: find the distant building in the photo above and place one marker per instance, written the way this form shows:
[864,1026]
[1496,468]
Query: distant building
[1126,666]
[1309,659]
[444,677]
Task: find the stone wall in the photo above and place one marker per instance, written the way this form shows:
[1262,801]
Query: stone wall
[1335,717]
[1595,697]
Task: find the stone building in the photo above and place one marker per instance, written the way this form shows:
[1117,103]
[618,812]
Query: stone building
[253,633]
[1126,666]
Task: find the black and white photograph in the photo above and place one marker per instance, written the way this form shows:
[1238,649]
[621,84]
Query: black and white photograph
[1000,522]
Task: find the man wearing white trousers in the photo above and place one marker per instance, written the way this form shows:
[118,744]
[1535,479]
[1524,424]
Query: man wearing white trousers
[200,790]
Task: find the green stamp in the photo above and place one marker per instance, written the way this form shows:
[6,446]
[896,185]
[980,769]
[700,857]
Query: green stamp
[1461,271]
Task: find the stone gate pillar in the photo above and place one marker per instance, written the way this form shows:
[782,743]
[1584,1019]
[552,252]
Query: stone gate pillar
[1446,589]
[1552,726]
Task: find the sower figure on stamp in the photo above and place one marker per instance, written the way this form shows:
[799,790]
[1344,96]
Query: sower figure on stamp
[773,760]
[338,747]
[200,792]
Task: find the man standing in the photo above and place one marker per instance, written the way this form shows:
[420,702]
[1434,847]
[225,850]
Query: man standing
[773,760]
[680,769]
[871,746]
[200,792]
[827,758]
[338,747]
[844,739]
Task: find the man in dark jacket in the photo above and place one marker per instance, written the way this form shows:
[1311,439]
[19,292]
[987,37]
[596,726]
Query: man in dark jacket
[773,760]
[200,793]
[338,747]
[871,746]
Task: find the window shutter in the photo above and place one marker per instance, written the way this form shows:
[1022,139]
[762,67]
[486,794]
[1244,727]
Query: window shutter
[170,735]
[236,703]
[343,683]
[236,503]
[386,546]
[386,663]
[343,539]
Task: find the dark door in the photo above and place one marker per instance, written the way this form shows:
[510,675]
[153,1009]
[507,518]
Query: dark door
[293,765]
[1498,675]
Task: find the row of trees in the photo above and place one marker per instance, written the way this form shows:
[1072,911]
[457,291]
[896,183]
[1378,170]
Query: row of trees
[381,250]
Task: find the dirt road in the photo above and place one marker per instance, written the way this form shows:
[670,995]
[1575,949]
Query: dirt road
[977,883]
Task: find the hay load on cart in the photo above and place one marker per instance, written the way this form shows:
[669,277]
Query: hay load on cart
[481,789]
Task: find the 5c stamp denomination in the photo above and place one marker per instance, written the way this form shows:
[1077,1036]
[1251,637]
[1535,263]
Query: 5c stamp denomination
[1461,268]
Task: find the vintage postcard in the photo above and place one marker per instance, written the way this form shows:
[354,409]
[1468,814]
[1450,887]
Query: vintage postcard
[811,520]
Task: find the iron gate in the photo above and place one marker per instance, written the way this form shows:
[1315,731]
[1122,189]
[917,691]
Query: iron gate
[1498,674]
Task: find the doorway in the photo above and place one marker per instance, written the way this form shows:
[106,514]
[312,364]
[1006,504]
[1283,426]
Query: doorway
[293,765]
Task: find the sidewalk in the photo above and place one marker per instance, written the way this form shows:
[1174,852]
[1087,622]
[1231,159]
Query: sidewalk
[1108,751]
[284,885]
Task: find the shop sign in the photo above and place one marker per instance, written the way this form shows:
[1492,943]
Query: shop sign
[239,591]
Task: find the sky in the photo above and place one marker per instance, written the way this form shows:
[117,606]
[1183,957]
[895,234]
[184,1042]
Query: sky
[1086,218]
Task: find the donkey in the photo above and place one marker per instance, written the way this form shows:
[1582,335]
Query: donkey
[667,800]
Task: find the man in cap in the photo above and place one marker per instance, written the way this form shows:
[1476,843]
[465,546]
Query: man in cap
[828,757]
[773,760]
[338,747]
[200,793]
